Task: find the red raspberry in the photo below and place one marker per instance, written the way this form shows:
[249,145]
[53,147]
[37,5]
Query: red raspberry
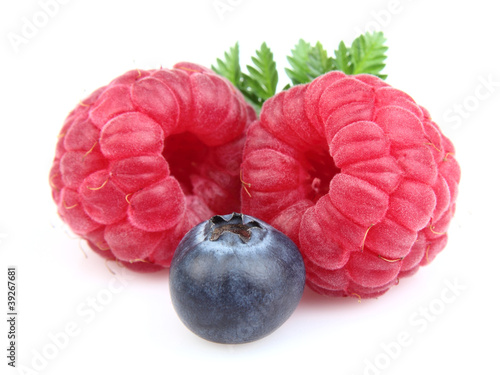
[142,160]
[358,175]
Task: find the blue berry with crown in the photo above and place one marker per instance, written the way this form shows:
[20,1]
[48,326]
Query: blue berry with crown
[235,279]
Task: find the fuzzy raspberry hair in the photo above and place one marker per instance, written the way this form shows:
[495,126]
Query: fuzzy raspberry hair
[144,159]
[358,175]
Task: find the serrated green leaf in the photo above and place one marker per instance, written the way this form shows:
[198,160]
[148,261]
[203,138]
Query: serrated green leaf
[298,61]
[308,62]
[342,59]
[262,78]
[230,66]
[368,53]
[319,61]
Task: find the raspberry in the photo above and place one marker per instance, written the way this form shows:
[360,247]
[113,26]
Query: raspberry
[145,158]
[358,175]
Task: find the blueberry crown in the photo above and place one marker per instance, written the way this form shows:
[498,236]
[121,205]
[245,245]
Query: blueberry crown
[233,223]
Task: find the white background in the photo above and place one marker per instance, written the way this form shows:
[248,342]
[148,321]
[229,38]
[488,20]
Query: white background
[442,53]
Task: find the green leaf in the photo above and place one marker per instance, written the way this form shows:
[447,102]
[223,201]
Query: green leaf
[342,59]
[262,78]
[319,61]
[366,55]
[308,62]
[298,61]
[230,66]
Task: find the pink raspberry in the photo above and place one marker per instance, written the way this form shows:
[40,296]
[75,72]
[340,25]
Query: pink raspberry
[142,160]
[358,175]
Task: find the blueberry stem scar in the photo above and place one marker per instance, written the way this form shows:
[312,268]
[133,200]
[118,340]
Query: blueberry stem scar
[234,225]
[241,230]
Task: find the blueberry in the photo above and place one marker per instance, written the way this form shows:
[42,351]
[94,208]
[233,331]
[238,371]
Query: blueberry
[235,279]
